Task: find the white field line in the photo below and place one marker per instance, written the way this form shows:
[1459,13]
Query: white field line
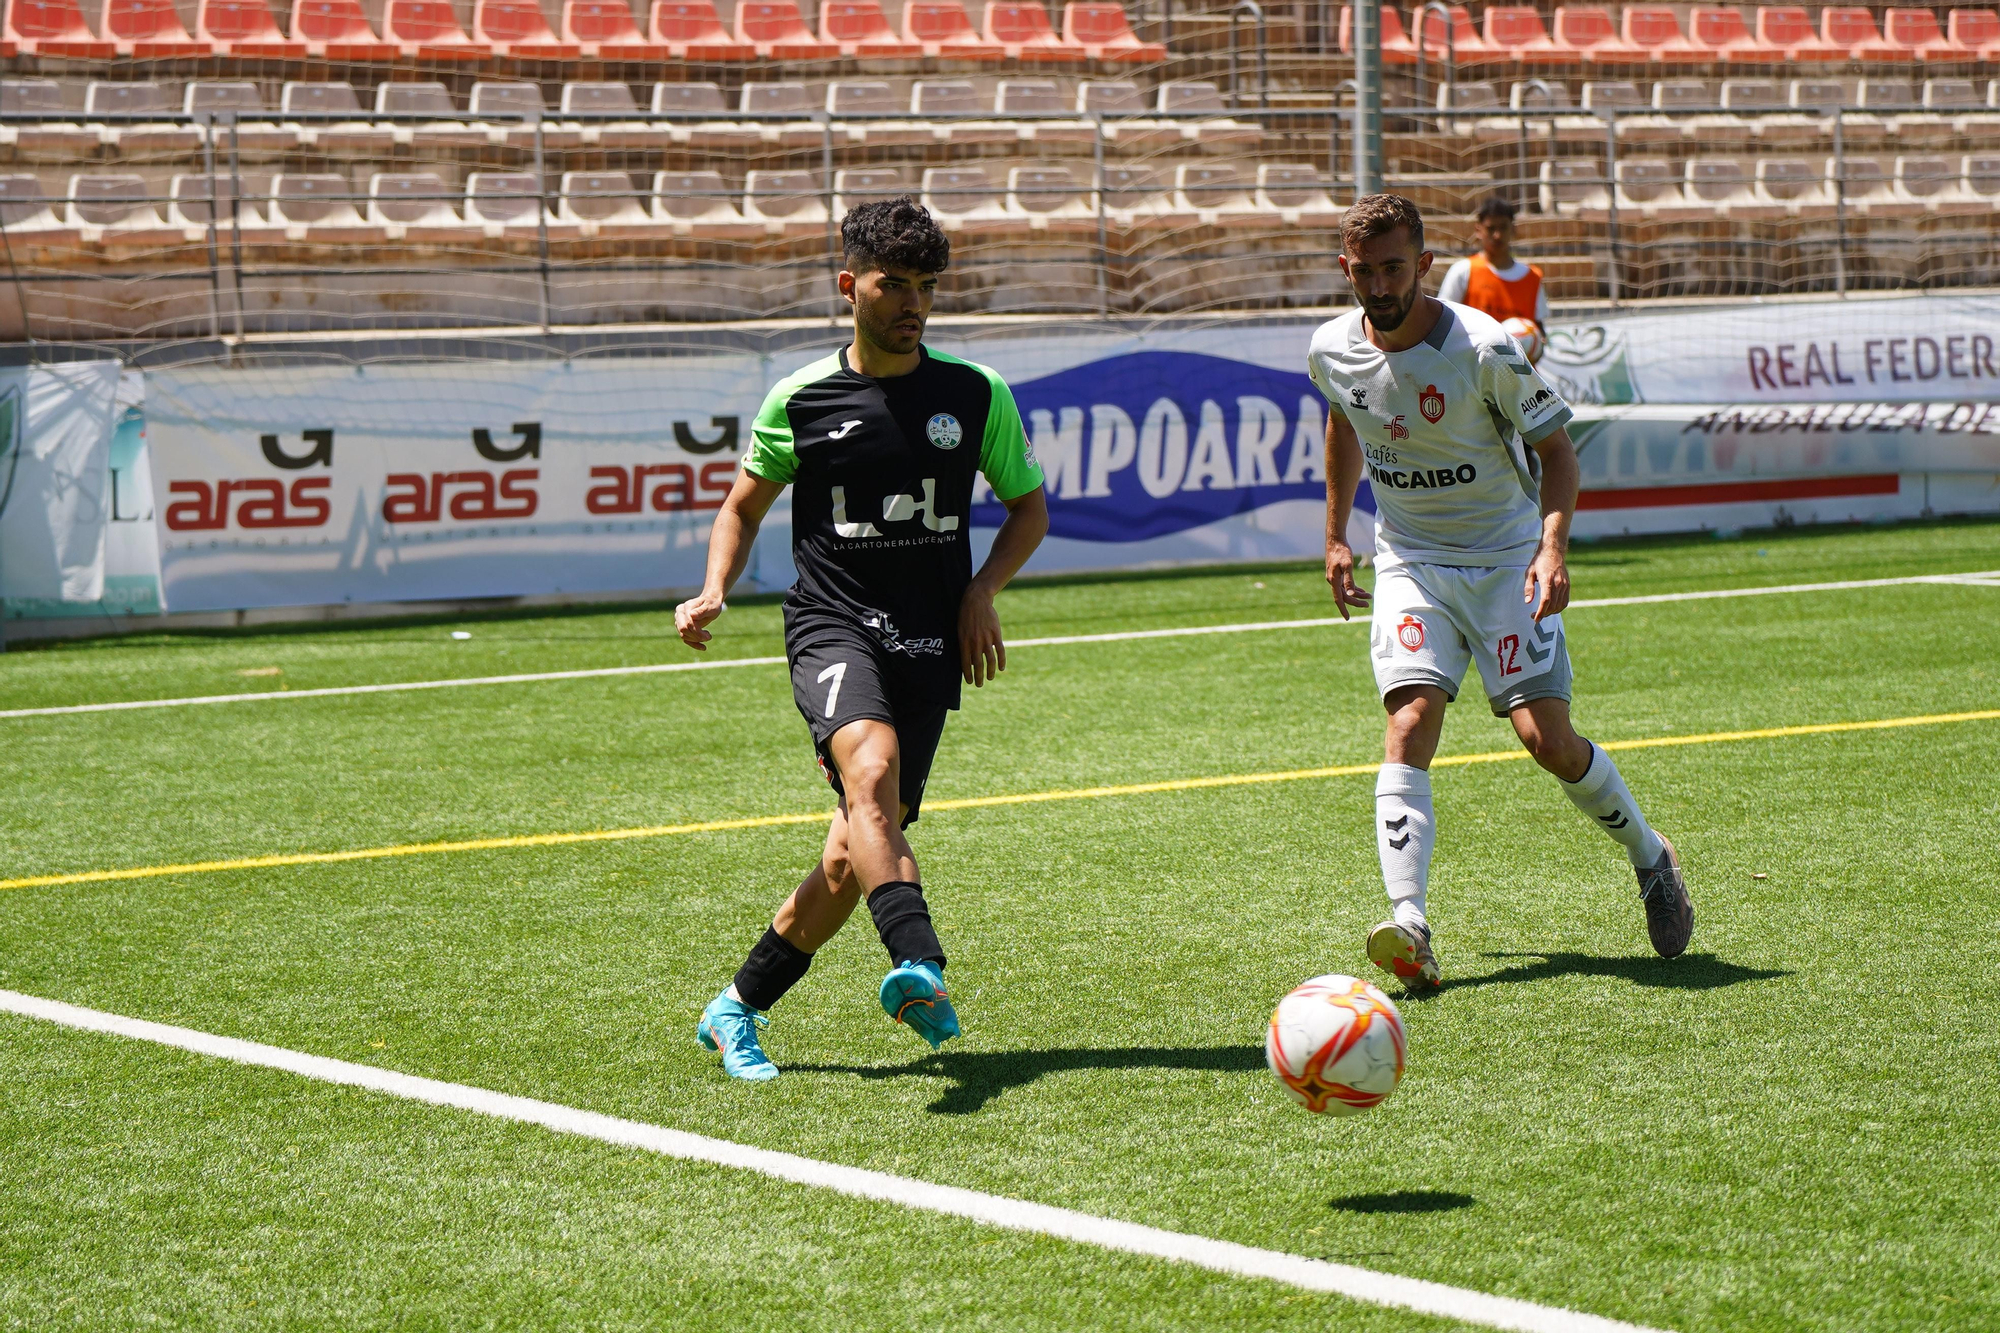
[1219,1256]
[1985,578]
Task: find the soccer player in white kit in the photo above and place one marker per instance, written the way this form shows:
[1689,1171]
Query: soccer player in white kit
[1475,481]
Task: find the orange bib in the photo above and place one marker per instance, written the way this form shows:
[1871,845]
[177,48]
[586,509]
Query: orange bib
[1488,291]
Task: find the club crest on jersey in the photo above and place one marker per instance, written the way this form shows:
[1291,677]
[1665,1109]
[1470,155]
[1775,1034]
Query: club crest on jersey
[1431,403]
[1410,633]
[944,431]
[1397,430]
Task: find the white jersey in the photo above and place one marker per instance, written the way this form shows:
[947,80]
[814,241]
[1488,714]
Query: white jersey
[1445,430]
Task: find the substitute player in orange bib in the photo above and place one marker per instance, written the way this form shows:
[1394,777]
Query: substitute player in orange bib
[1493,281]
[1475,482]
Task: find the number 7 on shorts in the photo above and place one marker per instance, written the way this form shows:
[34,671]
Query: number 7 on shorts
[836,673]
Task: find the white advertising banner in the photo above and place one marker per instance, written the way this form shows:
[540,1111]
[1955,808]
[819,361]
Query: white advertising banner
[55,444]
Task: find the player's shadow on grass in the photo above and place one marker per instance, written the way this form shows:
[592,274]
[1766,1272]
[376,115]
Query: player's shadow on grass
[977,1077]
[1691,971]
[1403,1201]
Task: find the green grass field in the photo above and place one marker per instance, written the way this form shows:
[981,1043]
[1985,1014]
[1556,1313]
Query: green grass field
[1795,1126]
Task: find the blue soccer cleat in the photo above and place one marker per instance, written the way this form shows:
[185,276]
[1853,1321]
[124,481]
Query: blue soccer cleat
[730,1026]
[914,995]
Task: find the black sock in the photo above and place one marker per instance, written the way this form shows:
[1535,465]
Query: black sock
[774,966]
[904,922]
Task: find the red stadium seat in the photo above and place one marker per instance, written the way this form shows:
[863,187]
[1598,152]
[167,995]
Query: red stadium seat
[1397,48]
[54,28]
[244,28]
[946,31]
[1104,33]
[147,29]
[779,32]
[519,29]
[428,30]
[338,30]
[1465,44]
[1589,31]
[859,28]
[605,30]
[1855,30]
[1977,31]
[1022,26]
[1658,32]
[1790,29]
[1517,30]
[1917,31]
[694,32]
[1723,35]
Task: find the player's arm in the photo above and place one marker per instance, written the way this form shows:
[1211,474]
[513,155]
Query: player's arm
[729,543]
[1560,479]
[1343,478]
[982,654]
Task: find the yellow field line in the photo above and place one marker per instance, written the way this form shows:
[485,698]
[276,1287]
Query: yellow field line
[969,803]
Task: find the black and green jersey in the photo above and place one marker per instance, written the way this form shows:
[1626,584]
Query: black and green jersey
[882,474]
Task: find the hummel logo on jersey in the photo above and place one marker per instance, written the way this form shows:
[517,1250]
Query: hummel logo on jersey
[842,433]
[1397,826]
[1359,395]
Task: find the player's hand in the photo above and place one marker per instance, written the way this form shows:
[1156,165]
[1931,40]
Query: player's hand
[1340,577]
[691,615]
[1551,576]
[981,653]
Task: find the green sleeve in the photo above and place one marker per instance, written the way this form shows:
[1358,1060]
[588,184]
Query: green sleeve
[1005,456]
[771,454]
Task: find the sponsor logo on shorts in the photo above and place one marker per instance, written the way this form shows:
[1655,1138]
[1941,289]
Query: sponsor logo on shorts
[1423,479]
[944,431]
[892,639]
[1536,401]
[1397,430]
[1410,633]
[1431,403]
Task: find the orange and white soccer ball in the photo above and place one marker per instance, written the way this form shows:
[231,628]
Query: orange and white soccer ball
[1336,1044]
[1527,336]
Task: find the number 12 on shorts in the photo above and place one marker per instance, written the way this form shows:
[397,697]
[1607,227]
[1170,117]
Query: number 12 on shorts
[835,673]
[1507,651]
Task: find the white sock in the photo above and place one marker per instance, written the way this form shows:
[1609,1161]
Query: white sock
[1405,832]
[1603,795]
[731,993]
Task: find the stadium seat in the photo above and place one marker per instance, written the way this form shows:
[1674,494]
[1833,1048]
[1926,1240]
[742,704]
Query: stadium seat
[428,30]
[1760,104]
[120,104]
[116,207]
[700,203]
[1104,33]
[1141,196]
[1036,102]
[245,28]
[1295,192]
[519,30]
[607,116]
[515,109]
[1821,95]
[1022,28]
[1516,30]
[26,209]
[860,30]
[1651,188]
[1531,99]
[945,31]
[1977,31]
[407,101]
[1871,186]
[401,202]
[312,207]
[860,100]
[1724,37]
[497,201]
[1218,193]
[1657,31]
[1574,187]
[1043,196]
[1789,29]
[193,199]
[1727,186]
[54,28]
[1475,95]
[1854,30]
[53,133]
[604,203]
[1126,114]
[1935,183]
[776,30]
[1217,131]
[1795,185]
[1961,102]
[1635,123]
[866,185]
[338,30]
[330,117]
[1882,102]
[150,30]
[606,30]
[953,102]
[1589,32]
[1397,48]
[1980,177]
[716,132]
[1461,42]
[693,32]
[256,134]
[964,198]
[1917,31]
[785,201]
[769,101]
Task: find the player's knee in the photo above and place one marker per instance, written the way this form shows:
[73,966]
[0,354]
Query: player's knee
[1550,750]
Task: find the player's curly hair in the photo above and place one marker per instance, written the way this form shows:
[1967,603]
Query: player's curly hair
[893,232]
[1378,215]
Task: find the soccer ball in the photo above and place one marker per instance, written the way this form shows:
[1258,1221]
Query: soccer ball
[1336,1044]
[1526,336]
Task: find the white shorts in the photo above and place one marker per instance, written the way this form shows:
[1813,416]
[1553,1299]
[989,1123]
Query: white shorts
[1430,622]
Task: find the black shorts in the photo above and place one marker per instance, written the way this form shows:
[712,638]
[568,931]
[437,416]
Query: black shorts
[840,675]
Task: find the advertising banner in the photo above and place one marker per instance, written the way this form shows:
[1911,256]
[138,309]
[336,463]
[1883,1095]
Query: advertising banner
[55,441]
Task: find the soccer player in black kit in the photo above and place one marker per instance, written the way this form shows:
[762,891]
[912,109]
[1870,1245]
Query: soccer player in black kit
[881,441]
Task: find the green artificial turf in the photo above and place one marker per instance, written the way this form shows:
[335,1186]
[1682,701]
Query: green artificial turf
[1791,1127]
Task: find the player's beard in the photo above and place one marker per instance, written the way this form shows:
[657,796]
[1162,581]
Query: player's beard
[887,336]
[1391,320]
